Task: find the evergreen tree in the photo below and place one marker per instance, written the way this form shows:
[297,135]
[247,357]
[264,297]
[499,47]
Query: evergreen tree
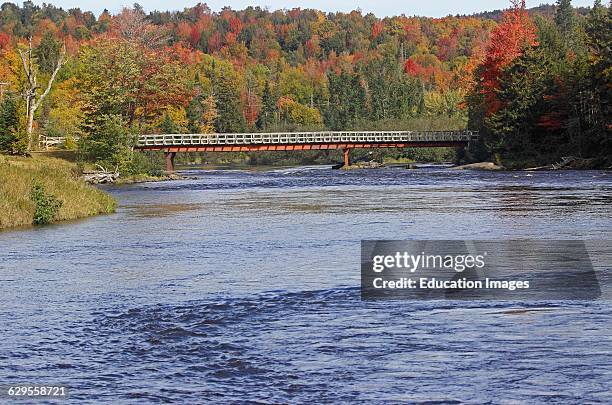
[392,93]
[512,129]
[47,53]
[565,19]
[9,123]
[168,126]
[599,42]
[227,95]
[194,112]
[268,110]
[346,100]
[110,144]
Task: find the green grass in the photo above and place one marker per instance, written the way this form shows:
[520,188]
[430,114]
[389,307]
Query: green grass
[140,178]
[400,160]
[58,178]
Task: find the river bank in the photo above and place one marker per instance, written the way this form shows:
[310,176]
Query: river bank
[58,180]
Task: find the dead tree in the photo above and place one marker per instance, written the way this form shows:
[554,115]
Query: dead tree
[30,93]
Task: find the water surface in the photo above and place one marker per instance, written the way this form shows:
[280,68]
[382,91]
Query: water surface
[236,285]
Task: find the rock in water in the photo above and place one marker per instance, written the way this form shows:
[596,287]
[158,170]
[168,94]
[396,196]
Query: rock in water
[370,164]
[479,166]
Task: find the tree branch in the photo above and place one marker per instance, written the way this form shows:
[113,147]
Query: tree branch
[60,62]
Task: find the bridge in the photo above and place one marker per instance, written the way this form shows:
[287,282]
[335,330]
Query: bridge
[171,144]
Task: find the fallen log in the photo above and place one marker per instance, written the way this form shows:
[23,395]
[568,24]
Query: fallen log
[566,161]
[533,169]
[574,163]
[101,176]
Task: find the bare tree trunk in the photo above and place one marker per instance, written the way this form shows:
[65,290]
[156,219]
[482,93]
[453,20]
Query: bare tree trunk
[32,103]
[30,125]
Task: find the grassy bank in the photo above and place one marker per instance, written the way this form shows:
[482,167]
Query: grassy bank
[143,178]
[58,178]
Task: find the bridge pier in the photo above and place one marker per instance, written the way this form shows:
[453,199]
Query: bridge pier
[347,158]
[170,161]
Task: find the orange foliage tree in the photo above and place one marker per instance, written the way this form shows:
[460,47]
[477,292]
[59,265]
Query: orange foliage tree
[508,41]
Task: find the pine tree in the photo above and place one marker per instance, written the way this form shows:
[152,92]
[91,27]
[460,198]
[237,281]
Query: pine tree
[9,122]
[47,53]
[570,30]
[599,42]
[194,113]
[227,95]
[565,19]
[168,126]
[346,100]
[266,117]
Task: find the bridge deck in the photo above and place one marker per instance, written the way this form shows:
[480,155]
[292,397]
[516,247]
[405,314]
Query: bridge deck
[329,138]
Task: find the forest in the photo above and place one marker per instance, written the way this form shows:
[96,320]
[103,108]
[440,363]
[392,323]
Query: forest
[535,83]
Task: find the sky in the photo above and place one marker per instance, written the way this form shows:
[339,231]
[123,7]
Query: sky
[381,8]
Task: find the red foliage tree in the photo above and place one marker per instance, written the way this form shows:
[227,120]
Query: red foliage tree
[235,25]
[377,29]
[5,39]
[215,42]
[447,47]
[194,36]
[515,33]
[413,68]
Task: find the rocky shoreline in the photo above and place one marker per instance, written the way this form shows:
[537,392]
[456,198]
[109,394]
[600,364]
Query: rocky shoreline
[569,163]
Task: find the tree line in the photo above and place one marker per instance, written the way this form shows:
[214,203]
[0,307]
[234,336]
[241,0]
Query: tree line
[537,87]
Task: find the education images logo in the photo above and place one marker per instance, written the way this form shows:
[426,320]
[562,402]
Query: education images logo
[411,263]
[475,270]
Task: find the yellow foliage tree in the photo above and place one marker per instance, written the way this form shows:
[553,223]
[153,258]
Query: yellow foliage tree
[66,114]
[209,115]
[296,113]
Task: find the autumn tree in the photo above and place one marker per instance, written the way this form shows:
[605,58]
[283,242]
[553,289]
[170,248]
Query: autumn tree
[31,88]
[210,115]
[132,25]
[548,105]
[202,115]
[540,85]
[508,41]
[296,115]
[117,77]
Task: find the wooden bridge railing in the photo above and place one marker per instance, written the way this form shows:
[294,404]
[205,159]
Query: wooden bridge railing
[145,141]
[46,141]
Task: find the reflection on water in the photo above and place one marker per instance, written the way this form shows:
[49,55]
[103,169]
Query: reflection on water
[162,210]
[241,284]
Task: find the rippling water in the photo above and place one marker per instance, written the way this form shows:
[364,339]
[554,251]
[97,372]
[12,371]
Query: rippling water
[237,285]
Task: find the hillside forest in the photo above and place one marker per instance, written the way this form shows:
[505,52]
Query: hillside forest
[535,83]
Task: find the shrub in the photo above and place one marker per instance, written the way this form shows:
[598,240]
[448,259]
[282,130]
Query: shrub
[46,205]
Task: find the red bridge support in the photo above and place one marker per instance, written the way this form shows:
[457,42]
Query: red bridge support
[170,161]
[347,158]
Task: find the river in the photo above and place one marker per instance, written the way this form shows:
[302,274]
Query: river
[244,285]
